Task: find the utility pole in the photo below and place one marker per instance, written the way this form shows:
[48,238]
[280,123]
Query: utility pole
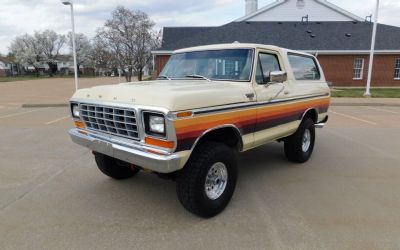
[372,51]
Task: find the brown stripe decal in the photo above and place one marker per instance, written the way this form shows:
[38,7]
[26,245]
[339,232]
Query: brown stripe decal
[247,120]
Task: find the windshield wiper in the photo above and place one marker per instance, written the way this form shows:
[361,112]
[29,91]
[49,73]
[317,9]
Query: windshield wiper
[199,77]
[163,77]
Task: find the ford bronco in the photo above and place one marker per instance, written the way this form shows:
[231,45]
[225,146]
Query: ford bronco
[207,104]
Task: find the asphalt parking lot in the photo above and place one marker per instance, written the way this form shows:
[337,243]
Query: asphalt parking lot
[346,197]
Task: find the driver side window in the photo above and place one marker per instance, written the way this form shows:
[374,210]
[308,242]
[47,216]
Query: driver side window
[266,64]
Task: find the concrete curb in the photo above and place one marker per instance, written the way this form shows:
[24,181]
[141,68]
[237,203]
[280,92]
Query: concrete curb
[44,105]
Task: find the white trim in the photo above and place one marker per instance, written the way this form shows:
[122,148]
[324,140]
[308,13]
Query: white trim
[323,2]
[162,52]
[266,8]
[340,10]
[319,52]
[361,69]
[351,52]
[397,60]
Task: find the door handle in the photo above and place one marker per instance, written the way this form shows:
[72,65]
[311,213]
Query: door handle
[250,95]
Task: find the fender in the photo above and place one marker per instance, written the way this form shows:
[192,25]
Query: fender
[316,114]
[237,132]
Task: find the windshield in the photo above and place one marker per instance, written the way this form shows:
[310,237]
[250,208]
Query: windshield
[228,64]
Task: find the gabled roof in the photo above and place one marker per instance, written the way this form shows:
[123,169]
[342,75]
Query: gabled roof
[307,36]
[323,2]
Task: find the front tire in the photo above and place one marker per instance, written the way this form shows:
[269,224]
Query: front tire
[114,168]
[299,146]
[207,182]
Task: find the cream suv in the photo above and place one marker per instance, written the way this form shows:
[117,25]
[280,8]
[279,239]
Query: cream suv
[207,104]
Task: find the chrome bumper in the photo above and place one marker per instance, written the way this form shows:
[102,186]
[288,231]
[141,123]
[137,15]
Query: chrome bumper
[155,162]
[321,124]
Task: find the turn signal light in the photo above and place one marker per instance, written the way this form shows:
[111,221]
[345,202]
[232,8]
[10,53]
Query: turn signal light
[159,143]
[184,114]
[80,125]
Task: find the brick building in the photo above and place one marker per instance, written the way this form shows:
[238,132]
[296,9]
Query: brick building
[339,39]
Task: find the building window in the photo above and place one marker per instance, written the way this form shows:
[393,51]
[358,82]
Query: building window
[397,69]
[358,69]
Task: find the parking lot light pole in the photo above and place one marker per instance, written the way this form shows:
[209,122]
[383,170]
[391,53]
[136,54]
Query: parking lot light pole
[73,42]
[372,51]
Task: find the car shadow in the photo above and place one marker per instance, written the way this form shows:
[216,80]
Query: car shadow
[147,195]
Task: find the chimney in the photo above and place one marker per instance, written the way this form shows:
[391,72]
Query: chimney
[251,6]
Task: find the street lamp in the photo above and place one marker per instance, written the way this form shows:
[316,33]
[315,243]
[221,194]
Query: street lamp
[73,42]
[371,53]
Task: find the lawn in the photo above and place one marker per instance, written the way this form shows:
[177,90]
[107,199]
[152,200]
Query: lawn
[359,92]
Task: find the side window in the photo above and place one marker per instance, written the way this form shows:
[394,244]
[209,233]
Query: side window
[266,64]
[304,67]
[358,68]
[397,69]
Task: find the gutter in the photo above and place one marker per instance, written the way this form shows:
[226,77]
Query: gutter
[351,52]
[162,52]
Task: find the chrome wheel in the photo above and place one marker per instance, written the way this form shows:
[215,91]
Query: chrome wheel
[306,142]
[216,180]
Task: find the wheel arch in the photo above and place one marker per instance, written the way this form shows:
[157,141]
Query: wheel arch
[227,134]
[311,113]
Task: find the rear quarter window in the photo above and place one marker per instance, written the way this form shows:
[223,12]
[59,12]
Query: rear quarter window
[304,67]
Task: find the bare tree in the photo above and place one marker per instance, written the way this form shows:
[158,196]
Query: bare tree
[128,34]
[103,58]
[50,44]
[27,51]
[83,49]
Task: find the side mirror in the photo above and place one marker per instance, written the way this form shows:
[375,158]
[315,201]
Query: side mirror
[277,76]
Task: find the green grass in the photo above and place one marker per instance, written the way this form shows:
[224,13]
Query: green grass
[359,92]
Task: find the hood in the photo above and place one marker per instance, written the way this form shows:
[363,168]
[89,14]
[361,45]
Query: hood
[173,95]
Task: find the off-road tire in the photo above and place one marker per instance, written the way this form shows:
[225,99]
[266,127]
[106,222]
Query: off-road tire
[190,182]
[294,143]
[114,168]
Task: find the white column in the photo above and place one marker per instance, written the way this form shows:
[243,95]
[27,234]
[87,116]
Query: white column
[251,6]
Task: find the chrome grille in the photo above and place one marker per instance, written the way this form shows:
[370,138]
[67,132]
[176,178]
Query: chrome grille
[111,120]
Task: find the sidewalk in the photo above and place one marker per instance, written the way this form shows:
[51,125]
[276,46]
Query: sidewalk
[365,102]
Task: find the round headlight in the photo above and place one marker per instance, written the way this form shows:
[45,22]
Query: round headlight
[156,124]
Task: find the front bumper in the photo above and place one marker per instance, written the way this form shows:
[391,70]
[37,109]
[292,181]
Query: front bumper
[134,155]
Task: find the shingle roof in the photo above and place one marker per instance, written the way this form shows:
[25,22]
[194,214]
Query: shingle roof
[340,36]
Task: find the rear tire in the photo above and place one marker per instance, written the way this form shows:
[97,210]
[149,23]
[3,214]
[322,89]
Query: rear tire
[207,182]
[300,145]
[114,168]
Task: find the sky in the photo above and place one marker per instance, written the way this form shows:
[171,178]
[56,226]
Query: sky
[18,17]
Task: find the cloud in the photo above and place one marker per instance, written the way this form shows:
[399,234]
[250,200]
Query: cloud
[21,16]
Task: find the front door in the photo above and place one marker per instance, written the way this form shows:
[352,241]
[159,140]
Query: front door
[270,115]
